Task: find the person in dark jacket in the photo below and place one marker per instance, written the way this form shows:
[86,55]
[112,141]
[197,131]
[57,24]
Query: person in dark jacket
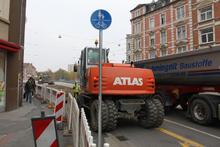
[29,90]
[33,84]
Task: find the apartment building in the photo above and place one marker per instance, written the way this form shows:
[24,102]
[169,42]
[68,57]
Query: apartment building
[172,27]
[135,40]
[12,21]
[206,23]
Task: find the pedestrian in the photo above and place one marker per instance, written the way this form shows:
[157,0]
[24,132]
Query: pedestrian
[33,85]
[28,91]
[76,89]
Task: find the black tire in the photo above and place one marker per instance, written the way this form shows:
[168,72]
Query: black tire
[201,112]
[112,115]
[148,118]
[94,115]
[160,111]
[80,100]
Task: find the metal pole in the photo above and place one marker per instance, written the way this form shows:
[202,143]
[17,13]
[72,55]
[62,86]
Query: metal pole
[100,90]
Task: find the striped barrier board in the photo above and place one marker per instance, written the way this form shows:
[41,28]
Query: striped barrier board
[44,131]
[59,106]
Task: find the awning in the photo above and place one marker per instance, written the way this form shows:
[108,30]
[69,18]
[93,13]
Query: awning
[9,46]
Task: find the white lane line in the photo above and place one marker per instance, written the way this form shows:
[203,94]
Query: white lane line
[190,128]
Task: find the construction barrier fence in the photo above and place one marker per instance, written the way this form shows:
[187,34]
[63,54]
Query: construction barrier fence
[65,106]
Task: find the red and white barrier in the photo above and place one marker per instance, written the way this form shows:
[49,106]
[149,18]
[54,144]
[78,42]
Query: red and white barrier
[59,106]
[44,131]
[76,124]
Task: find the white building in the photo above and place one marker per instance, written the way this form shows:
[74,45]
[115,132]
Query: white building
[70,67]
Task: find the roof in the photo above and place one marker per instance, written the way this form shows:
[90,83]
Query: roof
[138,6]
[153,6]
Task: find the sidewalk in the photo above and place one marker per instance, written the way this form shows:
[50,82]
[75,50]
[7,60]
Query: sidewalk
[16,130]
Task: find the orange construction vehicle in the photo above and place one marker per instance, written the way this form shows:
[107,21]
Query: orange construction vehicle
[127,92]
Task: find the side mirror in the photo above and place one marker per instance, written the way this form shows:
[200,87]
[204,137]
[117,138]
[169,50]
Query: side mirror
[75,68]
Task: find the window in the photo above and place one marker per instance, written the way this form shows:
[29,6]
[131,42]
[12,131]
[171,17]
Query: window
[151,23]
[93,56]
[181,49]
[163,38]
[129,46]
[162,19]
[139,44]
[180,13]
[207,35]
[137,13]
[129,58]
[205,13]
[163,52]
[152,40]
[138,57]
[137,28]
[152,54]
[181,33]
[152,7]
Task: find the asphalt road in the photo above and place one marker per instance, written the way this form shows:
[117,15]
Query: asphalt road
[176,131]
[69,85]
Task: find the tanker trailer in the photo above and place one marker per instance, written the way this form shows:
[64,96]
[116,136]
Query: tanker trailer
[190,79]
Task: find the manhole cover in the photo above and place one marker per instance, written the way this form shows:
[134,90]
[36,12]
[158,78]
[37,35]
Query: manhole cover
[122,138]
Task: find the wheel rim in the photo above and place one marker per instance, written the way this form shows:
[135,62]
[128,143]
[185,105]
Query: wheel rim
[199,112]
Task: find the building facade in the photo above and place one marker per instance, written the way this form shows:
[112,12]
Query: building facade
[12,22]
[29,70]
[206,23]
[172,27]
[70,67]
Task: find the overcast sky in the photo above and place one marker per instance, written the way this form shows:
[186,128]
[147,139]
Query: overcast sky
[47,19]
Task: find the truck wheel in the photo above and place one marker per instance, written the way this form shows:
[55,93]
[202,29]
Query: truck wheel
[160,112]
[148,118]
[94,115]
[80,100]
[201,112]
[112,115]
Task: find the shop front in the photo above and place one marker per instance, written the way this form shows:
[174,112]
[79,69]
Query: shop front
[5,48]
[2,80]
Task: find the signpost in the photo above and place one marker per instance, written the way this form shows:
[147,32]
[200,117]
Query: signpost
[101,20]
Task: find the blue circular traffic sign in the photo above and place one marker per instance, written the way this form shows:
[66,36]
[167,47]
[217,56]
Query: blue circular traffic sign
[101,19]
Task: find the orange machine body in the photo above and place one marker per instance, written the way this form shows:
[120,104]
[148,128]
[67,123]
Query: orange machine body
[120,79]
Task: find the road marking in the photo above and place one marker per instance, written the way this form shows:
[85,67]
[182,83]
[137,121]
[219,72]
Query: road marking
[190,128]
[184,144]
[181,138]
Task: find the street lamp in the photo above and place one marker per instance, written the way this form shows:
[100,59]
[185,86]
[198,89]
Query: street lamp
[96,42]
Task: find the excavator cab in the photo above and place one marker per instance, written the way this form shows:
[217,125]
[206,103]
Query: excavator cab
[90,58]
